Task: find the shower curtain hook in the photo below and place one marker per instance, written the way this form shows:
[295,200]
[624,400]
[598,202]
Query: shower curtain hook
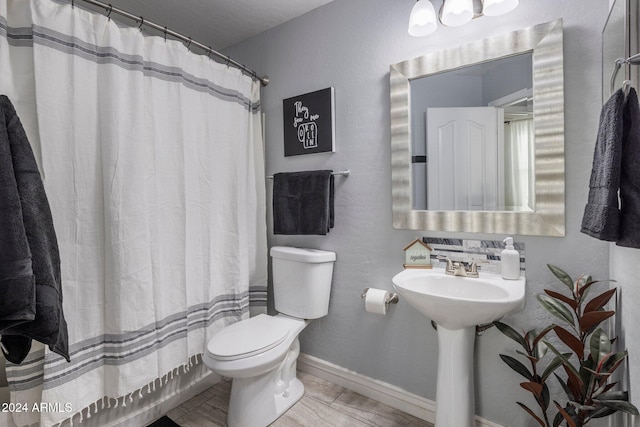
[141,23]
[210,52]
[165,34]
[227,61]
[189,44]
[109,12]
[73,3]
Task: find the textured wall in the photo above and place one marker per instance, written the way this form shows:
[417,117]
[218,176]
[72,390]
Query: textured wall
[349,44]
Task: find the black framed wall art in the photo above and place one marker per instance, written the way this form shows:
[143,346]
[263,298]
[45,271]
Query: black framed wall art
[309,123]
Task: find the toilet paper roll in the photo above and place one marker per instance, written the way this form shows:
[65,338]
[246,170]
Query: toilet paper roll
[374,301]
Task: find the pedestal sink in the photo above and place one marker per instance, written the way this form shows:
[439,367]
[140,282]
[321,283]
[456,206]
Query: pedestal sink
[457,304]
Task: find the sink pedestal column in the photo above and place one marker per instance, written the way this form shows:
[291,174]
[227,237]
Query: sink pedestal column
[455,403]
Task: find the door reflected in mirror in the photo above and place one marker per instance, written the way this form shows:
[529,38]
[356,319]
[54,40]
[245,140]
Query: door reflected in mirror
[473,137]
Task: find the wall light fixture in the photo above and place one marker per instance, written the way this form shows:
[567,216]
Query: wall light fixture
[423,21]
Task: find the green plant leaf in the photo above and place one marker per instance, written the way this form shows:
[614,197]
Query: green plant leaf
[557,419]
[553,365]
[533,414]
[565,415]
[614,395]
[560,274]
[564,386]
[542,333]
[600,345]
[546,397]
[556,308]
[600,301]
[511,333]
[563,358]
[539,349]
[615,361]
[571,341]
[602,412]
[517,366]
[619,405]
[591,320]
[565,299]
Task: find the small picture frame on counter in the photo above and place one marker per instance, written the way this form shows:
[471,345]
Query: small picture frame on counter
[417,254]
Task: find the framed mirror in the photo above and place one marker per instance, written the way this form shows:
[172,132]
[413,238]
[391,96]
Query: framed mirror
[456,162]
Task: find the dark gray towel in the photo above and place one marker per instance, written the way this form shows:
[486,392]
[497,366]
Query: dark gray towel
[630,175]
[25,213]
[303,202]
[601,217]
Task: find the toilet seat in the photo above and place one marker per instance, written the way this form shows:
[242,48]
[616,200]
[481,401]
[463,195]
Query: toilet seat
[247,338]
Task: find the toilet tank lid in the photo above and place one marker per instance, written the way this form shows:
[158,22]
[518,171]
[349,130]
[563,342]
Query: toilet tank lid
[302,254]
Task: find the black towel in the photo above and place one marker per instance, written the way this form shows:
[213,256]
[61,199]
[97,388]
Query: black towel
[601,215]
[30,261]
[630,175]
[303,202]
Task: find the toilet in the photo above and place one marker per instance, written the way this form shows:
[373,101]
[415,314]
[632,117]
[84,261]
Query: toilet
[260,353]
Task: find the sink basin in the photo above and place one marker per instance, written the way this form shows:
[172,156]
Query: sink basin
[456,302]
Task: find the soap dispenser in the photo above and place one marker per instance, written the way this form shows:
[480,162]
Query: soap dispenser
[510,261]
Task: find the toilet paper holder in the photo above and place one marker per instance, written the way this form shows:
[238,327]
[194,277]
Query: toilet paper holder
[393,297]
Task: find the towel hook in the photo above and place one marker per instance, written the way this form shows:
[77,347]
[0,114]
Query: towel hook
[617,64]
[626,87]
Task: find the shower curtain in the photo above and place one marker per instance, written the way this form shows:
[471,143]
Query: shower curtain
[152,160]
[519,165]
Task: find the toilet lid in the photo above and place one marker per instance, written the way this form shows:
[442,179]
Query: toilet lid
[247,338]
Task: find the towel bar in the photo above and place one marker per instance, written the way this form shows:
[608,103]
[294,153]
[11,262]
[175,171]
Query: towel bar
[343,173]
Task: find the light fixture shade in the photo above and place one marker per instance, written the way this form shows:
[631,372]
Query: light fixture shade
[422,20]
[498,7]
[456,12]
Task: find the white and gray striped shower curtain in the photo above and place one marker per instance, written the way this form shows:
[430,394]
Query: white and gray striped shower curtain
[152,160]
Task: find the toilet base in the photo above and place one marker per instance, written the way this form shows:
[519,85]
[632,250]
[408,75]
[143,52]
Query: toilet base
[260,400]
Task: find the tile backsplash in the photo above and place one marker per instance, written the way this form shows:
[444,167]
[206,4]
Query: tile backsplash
[467,250]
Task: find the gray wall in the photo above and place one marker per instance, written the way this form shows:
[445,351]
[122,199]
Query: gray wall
[349,44]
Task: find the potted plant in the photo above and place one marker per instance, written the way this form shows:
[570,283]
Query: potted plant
[588,364]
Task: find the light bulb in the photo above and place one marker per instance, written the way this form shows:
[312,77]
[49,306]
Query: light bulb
[457,12]
[498,7]
[422,20]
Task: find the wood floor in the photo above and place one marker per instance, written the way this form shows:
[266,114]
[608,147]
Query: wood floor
[323,405]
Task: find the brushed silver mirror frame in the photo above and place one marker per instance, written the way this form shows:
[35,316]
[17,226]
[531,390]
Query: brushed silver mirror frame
[545,41]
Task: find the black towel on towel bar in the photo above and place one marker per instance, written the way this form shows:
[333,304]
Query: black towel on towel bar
[630,175]
[303,202]
[601,217]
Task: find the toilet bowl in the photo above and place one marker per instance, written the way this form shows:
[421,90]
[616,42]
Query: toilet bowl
[260,353]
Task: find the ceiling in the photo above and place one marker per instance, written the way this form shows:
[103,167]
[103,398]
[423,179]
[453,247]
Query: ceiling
[217,23]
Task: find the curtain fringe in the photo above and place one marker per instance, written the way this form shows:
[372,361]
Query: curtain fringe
[86,412]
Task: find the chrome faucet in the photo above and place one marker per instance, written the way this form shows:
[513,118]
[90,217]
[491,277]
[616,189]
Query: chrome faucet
[458,268]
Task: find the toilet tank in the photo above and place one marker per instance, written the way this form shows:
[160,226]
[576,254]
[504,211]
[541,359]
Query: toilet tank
[302,281]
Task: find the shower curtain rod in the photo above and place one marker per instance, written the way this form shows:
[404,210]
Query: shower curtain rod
[264,80]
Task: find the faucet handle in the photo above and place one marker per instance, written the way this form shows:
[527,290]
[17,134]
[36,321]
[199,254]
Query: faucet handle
[473,267]
[448,260]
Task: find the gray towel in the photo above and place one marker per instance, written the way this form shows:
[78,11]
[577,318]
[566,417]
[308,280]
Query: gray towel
[28,249]
[630,175]
[303,202]
[601,217]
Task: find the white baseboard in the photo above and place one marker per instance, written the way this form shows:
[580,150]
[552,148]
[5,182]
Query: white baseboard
[377,390]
